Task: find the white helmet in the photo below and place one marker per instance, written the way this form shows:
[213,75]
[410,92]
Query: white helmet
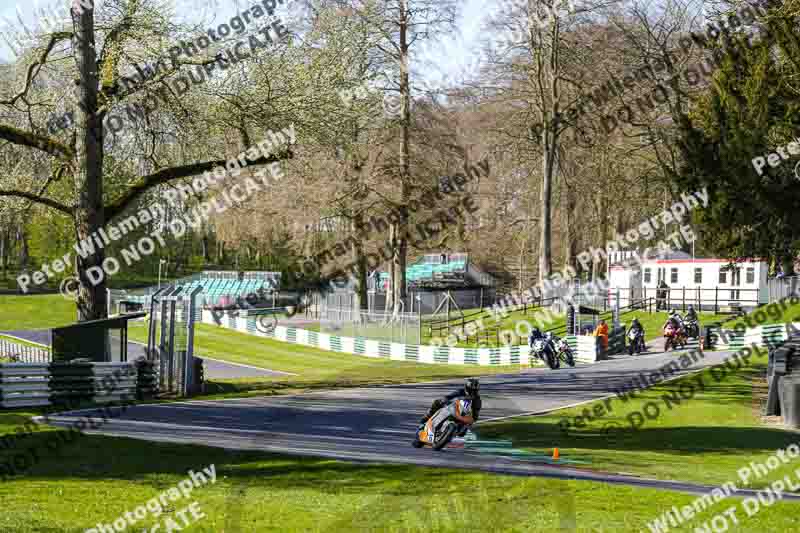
[549,334]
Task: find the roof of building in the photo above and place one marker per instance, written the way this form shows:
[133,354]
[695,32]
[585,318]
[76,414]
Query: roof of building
[675,257]
[651,255]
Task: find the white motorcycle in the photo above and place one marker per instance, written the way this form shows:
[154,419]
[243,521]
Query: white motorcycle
[440,429]
[635,342]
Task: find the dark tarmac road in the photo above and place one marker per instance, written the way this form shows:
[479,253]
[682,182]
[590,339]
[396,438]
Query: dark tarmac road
[376,424]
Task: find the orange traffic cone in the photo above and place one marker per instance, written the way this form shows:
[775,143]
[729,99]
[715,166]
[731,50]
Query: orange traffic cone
[555,454]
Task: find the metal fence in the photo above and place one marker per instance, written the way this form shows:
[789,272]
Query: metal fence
[589,294]
[779,288]
[23,353]
[404,328]
[170,339]
[717,299]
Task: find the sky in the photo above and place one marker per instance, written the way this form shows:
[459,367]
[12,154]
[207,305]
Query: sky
[446,58]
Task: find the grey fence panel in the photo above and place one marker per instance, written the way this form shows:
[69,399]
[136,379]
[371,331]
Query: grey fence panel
[779,288]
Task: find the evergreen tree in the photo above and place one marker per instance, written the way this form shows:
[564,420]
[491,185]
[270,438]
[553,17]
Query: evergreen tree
[749,110]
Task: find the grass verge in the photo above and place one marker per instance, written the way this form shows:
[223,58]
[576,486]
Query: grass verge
[35,312]
[710,427]
[96,479]
[316,369]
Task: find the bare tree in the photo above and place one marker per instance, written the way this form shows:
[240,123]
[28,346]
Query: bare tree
[98,88]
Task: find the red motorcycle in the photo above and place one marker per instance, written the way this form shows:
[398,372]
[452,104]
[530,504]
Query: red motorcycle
[673,337]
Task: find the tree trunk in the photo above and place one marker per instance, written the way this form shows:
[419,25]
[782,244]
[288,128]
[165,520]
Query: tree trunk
[22,239]
[545,239]
[788,265]
[604,229]
[3,252]
[399,230]
[206,251]
[89,212]
[400,250]
[570,240]
[551,118]
[360,259]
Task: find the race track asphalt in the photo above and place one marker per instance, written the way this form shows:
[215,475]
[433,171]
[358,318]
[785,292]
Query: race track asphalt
[376,424]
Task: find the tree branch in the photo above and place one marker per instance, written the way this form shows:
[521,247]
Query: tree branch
[34,140]
[39,200]
[168,174]
[37,65]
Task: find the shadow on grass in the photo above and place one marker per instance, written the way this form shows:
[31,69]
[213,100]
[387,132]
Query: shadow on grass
[621,437]
[91,457]
[627,425]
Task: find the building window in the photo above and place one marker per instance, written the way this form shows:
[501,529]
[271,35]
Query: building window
[723,276]
[698,275]
[647,275]
[751,275]
[673,275]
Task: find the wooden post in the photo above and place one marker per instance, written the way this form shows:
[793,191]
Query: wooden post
[716,299]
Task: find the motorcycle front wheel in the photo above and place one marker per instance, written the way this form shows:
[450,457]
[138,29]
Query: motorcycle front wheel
[445,436]
[570,358]
[552,361]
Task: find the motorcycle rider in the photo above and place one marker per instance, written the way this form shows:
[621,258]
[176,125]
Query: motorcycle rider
[470,390]
[636,327]
[550,338]
[674,319]
[535,335]
[691,317]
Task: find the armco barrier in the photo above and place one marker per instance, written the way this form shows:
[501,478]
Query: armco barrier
[764,335]
[28,385]
[584,347]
